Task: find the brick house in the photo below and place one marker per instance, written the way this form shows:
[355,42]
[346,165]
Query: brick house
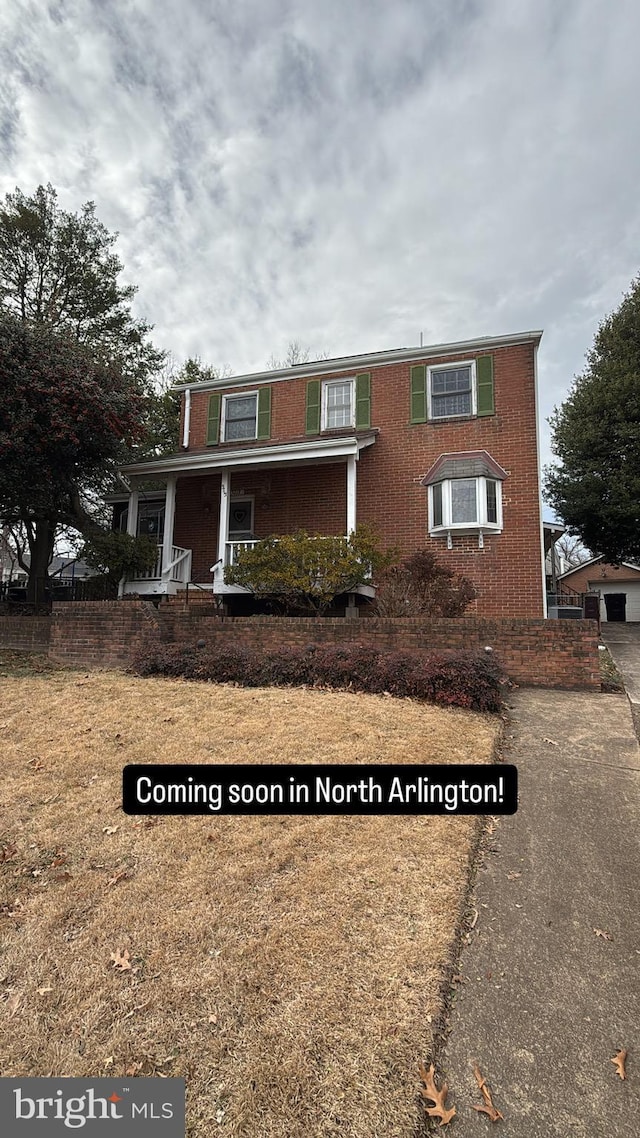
[435,447]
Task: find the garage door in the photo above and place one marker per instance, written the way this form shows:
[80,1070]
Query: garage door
[630,590]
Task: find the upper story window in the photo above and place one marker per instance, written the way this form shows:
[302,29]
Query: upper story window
[333,404]
[239,416]
[461,389]
[451,391]
[337,404]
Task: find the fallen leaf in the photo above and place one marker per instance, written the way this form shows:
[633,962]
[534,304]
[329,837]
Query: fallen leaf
[213,1019]
[619,1062]
[58,860]
[13,1001]
[438,1097]
[121,959]
[603,933]
[8,851]
[488,1107]
[119,875]
[43,991]
[110,829]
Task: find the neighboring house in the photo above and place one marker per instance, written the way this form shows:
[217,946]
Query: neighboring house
[435,447]
[618,587]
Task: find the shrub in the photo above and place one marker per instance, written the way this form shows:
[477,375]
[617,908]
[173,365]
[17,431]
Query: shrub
[455,679]
[421,586]
[304,573]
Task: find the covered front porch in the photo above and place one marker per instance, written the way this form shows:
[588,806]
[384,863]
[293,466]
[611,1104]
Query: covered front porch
[213,506]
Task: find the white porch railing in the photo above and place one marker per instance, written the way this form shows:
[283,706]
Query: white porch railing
[178,569]
[233,548]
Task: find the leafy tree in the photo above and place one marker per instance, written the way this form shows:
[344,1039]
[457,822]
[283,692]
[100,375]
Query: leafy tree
[421,586]
[120,554]
[596,435]
[163,411]
[65,415]
[65,315]
[305,572]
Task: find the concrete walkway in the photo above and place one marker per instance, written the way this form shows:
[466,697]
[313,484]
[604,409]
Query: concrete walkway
[551,987]
[623,642]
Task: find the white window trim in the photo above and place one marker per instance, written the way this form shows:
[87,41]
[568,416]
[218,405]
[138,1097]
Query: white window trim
[223,415]
[327,383]
[474,388]
[481,509]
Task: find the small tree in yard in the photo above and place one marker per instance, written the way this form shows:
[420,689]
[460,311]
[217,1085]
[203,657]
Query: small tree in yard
[421,586]
[305,572]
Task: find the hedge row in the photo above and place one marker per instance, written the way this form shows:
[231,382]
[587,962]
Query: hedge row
[458,679]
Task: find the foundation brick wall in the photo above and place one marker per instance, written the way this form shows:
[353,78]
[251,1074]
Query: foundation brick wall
[507,572]
[560,654]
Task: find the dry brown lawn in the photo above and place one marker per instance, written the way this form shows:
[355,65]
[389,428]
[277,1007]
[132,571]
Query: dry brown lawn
[289,968]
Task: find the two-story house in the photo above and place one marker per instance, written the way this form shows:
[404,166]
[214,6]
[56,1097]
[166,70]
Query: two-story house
[434,447]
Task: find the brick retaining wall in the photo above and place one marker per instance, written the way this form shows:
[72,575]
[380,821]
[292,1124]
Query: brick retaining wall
[546,653]
[25,633]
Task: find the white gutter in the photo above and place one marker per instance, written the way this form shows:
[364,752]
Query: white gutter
[187,419]
[372,359]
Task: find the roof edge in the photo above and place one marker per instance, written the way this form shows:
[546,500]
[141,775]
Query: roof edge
[370,359]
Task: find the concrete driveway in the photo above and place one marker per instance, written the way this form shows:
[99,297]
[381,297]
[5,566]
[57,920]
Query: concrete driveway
[623,642]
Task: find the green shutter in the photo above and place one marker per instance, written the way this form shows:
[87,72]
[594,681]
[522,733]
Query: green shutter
[312,426]
[264,413]
[363,401]
[419,394]
[484,375]
[213,419]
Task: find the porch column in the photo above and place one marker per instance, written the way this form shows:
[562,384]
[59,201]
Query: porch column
[351,493]
[169,517]
[132,529]
[223,521]
[132,515]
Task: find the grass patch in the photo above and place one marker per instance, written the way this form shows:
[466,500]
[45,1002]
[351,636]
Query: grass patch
[610,678]
[290,968]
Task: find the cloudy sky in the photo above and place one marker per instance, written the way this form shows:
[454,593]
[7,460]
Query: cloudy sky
[345,173]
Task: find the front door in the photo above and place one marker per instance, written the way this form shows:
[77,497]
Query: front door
[241,519]
[616,606]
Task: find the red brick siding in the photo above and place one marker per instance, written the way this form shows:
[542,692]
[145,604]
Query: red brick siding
[562,654]
[507,572]
[25,633]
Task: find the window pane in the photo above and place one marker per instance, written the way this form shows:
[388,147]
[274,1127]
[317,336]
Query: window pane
[338,405]
[492,501]
[451,392]
[240,417]
[437,504]
[463,501]
[151,520]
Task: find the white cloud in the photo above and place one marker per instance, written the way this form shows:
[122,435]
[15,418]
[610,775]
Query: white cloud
[348,175]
